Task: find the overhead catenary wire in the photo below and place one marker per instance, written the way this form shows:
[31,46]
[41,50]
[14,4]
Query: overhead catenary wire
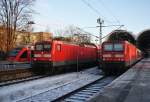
[98,36]
[111,13]
[99,14]
[102,17]
[95,10]
[111,32]
[108,9]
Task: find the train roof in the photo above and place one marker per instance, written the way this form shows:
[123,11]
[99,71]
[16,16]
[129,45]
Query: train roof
[70,43]
[119,41]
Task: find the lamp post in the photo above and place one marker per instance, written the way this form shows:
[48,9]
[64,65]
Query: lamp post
[30,23]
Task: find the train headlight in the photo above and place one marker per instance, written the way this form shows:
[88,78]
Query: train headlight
[37,55]
[104,59]
[107,55]
[119,55]
[46,55]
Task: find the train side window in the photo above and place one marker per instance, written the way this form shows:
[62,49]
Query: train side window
[24,55]
[59,47]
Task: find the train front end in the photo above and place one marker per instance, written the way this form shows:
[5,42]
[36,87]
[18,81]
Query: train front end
[113,57]
[42,61]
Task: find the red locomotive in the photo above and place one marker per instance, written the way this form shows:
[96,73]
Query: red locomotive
[20,54]
[117,56]
[49,56]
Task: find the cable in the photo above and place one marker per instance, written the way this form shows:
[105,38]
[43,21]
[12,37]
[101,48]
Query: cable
[91,7]
[106,7]
[98,13]
[95,10]
[111,32]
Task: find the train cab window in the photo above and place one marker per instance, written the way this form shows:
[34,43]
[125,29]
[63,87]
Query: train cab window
[58,47]
[108,47]
[39,47]
[47,47]
[118,47]
[24,55]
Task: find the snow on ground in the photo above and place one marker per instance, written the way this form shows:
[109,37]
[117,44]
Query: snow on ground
[48,88]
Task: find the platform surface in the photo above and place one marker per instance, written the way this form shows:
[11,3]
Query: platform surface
[132,86]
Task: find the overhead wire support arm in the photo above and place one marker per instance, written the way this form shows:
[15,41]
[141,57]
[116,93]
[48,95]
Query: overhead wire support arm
[110,33]
[111,25]
[103,26]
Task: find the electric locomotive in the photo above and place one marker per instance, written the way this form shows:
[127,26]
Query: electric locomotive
[118,56]
[54,56]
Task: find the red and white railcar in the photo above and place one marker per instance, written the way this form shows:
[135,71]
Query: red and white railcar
[20,54]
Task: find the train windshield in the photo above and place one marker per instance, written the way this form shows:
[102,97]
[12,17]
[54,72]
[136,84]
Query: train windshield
[14,52]
[39,47]
[43,47]
[47,47]
[108,47]
[118,47]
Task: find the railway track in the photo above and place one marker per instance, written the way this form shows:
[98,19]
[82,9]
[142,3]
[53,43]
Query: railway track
[14,70]
[15,74]
[15,81]
[72,92]
[87,92]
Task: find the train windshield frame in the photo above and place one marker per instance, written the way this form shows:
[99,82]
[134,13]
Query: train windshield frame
[47,47]
[43,47]
[108,47]
[118,47]
[14,52]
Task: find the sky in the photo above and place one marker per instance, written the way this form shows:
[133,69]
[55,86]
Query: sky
[57,14]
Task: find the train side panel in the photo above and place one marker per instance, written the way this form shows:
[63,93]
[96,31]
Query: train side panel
[67,54]
[63,54]
[130,54]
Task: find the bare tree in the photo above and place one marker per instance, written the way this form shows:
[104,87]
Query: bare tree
[14,15]
[74,34]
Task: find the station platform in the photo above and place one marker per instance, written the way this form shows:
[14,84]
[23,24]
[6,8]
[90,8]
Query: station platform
[132,86]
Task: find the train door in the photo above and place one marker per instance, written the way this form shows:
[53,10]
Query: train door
[57,54]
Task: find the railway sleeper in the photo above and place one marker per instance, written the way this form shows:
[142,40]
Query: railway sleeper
[76,99]
[73,100]
[82,95]
[89,91]
[85,93]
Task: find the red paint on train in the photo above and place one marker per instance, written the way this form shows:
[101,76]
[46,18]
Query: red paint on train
[20,54]
[118,56]
[51,54]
